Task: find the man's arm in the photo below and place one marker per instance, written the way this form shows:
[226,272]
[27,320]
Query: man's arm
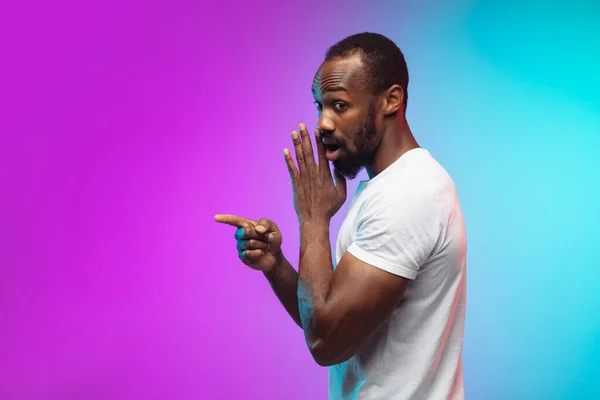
[284,281]
[341,310]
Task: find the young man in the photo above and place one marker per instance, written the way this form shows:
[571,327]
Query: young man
[388,317]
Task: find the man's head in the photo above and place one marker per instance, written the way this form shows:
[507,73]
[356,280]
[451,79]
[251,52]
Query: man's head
[361,84]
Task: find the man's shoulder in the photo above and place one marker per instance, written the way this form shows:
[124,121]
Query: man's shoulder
[423,185]
[423,189]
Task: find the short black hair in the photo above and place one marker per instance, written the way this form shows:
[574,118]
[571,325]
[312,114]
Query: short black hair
[384,62]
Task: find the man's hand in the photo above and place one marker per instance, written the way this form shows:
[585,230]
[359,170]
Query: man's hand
[258,243]
[316,198]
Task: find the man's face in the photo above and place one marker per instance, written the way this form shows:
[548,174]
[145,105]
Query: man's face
[347,114]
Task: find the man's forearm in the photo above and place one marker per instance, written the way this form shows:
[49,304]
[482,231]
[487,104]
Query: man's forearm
[315,274]
[284,281]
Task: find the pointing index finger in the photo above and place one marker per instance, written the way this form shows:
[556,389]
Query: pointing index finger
[233,220]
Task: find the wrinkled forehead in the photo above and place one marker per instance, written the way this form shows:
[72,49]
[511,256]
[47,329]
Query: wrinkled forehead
[338,74]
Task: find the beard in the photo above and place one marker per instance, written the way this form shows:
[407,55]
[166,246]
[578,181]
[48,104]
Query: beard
[367,143]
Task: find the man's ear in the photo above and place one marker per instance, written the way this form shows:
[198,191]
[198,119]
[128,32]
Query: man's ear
[393,99]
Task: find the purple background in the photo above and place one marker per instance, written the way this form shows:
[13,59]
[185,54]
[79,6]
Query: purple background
[126,125]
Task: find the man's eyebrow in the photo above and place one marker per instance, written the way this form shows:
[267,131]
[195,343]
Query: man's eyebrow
[332,89]
[335,89]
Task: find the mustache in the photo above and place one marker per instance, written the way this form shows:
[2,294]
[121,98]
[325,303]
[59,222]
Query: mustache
[330,140]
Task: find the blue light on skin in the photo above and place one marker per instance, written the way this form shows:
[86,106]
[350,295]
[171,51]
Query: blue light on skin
[307,312]
[350,370]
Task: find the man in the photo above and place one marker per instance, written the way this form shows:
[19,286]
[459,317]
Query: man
[388,318]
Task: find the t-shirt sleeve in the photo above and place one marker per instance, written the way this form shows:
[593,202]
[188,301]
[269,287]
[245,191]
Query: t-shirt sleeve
[397,233]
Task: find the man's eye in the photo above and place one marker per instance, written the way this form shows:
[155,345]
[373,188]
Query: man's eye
[319,105]
[340,106]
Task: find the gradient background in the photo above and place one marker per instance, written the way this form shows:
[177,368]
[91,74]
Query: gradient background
[126,125]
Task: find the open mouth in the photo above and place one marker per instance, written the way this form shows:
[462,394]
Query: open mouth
[332,151]
[329,145]
[332,147]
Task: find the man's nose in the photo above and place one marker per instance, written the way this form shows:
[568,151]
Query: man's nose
[325,126]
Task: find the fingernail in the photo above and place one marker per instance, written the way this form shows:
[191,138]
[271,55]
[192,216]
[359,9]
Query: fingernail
[301,127]
[294,135]
[270,237]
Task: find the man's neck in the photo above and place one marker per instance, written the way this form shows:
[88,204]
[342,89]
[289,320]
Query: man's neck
[394,143]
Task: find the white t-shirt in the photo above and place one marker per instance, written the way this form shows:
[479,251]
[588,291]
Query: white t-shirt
[407,221]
